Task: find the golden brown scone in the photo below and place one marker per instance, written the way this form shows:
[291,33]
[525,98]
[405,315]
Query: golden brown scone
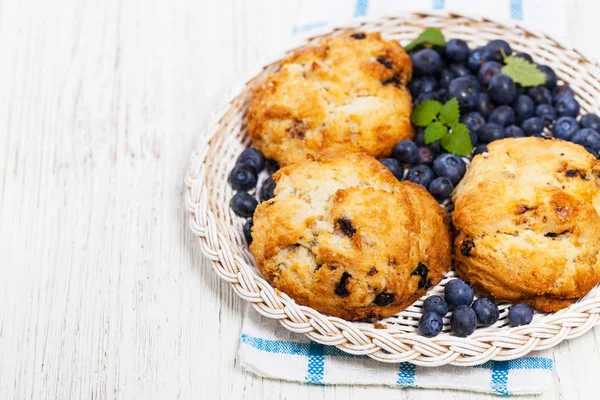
[343,94]
[343,236]
[527,212]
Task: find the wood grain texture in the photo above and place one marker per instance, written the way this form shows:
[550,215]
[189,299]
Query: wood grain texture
[103,291]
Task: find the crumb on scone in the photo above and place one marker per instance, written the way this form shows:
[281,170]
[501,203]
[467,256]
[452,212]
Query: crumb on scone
[527,213]
[345,237]
[342,94]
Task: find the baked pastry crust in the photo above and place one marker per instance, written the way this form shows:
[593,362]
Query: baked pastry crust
[527,213]
[342,235]
[343,94]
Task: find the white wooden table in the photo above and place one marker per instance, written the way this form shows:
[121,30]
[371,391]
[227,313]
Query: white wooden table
[103,291]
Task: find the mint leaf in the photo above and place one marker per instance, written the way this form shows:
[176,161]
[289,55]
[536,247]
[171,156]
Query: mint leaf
[523,72]
[424,113]
[432,36]
[434,132]
[458,141]
[449,114]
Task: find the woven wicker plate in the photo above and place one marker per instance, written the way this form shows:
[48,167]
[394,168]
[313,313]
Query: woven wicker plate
[221,239]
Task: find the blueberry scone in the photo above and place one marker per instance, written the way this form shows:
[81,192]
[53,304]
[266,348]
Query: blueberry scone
[527,213]
[345,237]
[343,94]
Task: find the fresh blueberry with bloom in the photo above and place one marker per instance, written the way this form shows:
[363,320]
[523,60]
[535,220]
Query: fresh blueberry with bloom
[426,62]
[450,166]
[588,138]
[533,126]
[460,70]
[480,149]
[252,157]
[562,91]
[502,89]
[243,177]
[473,120]
[406,151]
[546,112]
[435,304]
[551,78]
[567,106]
[524,56]
[421,174]
[463,321]
[491,132]
[243,204]
[441,188]
[502,115]
[488,71]
[267,189]
[425,156]
[591,121]
[484,105]
[500,49]
[466,90]
[248,230]
[540,95]
[565,127]
[428,84]
[414,87]
[520,314]
[486,311]
[513,131]
[458,292]
[395,167]
[430,324]
[524,107]
[446,76]
[456,50]
[478,57]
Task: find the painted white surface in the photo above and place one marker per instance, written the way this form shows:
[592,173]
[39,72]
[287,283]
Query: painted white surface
[103,291]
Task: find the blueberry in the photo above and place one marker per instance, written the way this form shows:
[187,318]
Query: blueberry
[425,156]
[248,230]
[419,139]
[426,62]
[480,149]
[430,324]
[591,121]
[460,70]
[524,107]
[513,131]
[272,166]
[486,311]
[466,92]
[520,314]
[435,147]
[463,321]
[435,304]
[441,188]
[524,56]
[488,71]
[503,115]
[551,78]
[428,84]
[446,76]
[458,292]
[567,106]
[405,152]
[451,166]
[546,112]
[267,189]
[243,177]
[565,127]
[429,96]
[414,87]
[540,95]
[484,104]
[421,174]
[456,50]
[587,138]
[474,138]
[395,167]
[533,126]
[478,57]
[502,89]
[252,157]
[473,120]
[243,204]
[562,91]
[500,48]
[491,132]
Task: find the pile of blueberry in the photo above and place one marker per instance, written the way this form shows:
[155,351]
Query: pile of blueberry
[492,105]
[466,313]
[244,178]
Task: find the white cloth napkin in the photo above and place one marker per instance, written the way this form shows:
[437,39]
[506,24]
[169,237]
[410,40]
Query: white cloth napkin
[269,350]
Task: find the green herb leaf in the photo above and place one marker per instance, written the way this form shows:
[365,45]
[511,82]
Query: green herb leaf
[424,113]
[449,114]
[434,132]
[523,72]
[458,141]
[431,36]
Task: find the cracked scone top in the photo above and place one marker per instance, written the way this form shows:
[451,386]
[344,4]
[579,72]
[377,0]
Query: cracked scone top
[342,94]
[527,212]
[346,238]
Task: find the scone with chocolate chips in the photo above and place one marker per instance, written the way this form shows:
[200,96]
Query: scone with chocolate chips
[527,212]
[346,238]
[343,94]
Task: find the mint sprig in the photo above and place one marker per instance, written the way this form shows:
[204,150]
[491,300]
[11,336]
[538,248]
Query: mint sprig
[523,72]
[441,124]
[429,37]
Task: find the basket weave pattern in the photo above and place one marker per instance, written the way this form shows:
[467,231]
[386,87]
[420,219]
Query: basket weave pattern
[220,231]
